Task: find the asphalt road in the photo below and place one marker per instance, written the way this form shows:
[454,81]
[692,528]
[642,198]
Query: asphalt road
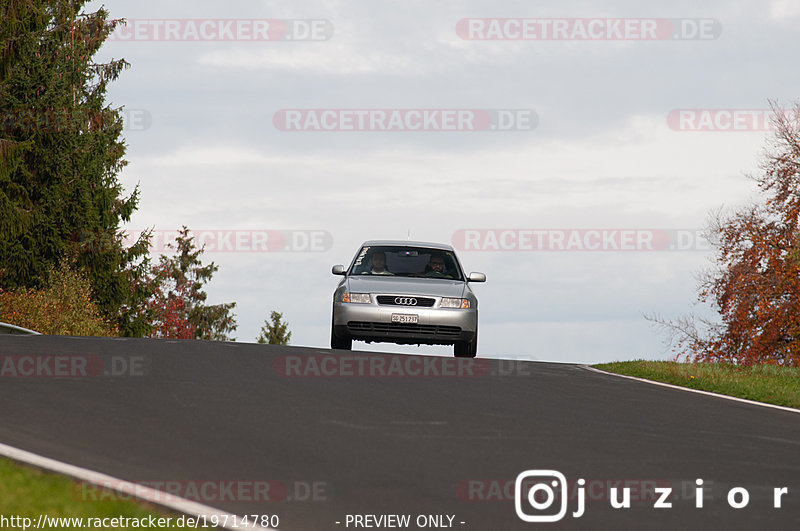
[331,435]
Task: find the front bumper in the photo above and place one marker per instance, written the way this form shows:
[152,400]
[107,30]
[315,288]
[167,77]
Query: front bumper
[373,322]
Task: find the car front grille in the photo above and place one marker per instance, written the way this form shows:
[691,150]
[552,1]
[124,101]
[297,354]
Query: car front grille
[403,328]
[404,300]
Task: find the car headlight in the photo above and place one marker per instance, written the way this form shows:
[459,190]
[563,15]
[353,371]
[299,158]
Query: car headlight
[448,302]
[359,298]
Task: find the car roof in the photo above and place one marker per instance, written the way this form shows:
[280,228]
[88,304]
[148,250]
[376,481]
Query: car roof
[402,243]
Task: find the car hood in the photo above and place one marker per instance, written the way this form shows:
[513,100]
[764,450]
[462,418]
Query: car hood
[435,287]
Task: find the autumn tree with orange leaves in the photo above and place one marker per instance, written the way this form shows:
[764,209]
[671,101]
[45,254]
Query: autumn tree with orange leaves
[756,284]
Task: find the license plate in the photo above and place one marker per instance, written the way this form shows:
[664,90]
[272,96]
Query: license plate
[405,318]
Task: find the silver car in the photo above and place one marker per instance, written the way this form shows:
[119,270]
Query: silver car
[407,293]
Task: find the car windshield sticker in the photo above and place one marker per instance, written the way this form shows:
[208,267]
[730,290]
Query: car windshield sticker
[361,256]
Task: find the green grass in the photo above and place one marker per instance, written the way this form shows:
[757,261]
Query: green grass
[764,383]
[29,492]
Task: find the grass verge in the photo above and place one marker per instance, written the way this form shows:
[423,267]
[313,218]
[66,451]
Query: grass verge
[772,384]
[27,492]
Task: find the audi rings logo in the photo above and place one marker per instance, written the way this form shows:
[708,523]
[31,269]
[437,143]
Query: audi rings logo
[405,301]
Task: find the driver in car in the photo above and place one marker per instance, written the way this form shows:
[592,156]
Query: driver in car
[436,267]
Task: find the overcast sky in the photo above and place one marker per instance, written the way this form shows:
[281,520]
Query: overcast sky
[602,142]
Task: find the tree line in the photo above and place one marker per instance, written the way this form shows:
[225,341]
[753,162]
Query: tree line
[61,152]
[754,285]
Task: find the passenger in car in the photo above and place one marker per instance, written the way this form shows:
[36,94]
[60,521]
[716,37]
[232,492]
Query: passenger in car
[378,262]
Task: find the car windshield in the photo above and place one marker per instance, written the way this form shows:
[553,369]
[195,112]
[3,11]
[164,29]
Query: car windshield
[405,261]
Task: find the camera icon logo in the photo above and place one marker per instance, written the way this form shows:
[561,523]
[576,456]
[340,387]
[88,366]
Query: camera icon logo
[539,490]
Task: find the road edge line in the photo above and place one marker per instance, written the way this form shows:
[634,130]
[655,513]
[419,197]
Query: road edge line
[699,391]
[148,494]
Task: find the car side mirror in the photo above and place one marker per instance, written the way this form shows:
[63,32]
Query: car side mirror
[338,269]
[476,277]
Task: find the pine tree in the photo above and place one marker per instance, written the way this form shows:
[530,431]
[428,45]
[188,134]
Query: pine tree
[275,333]
[177,307]
[61,149]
